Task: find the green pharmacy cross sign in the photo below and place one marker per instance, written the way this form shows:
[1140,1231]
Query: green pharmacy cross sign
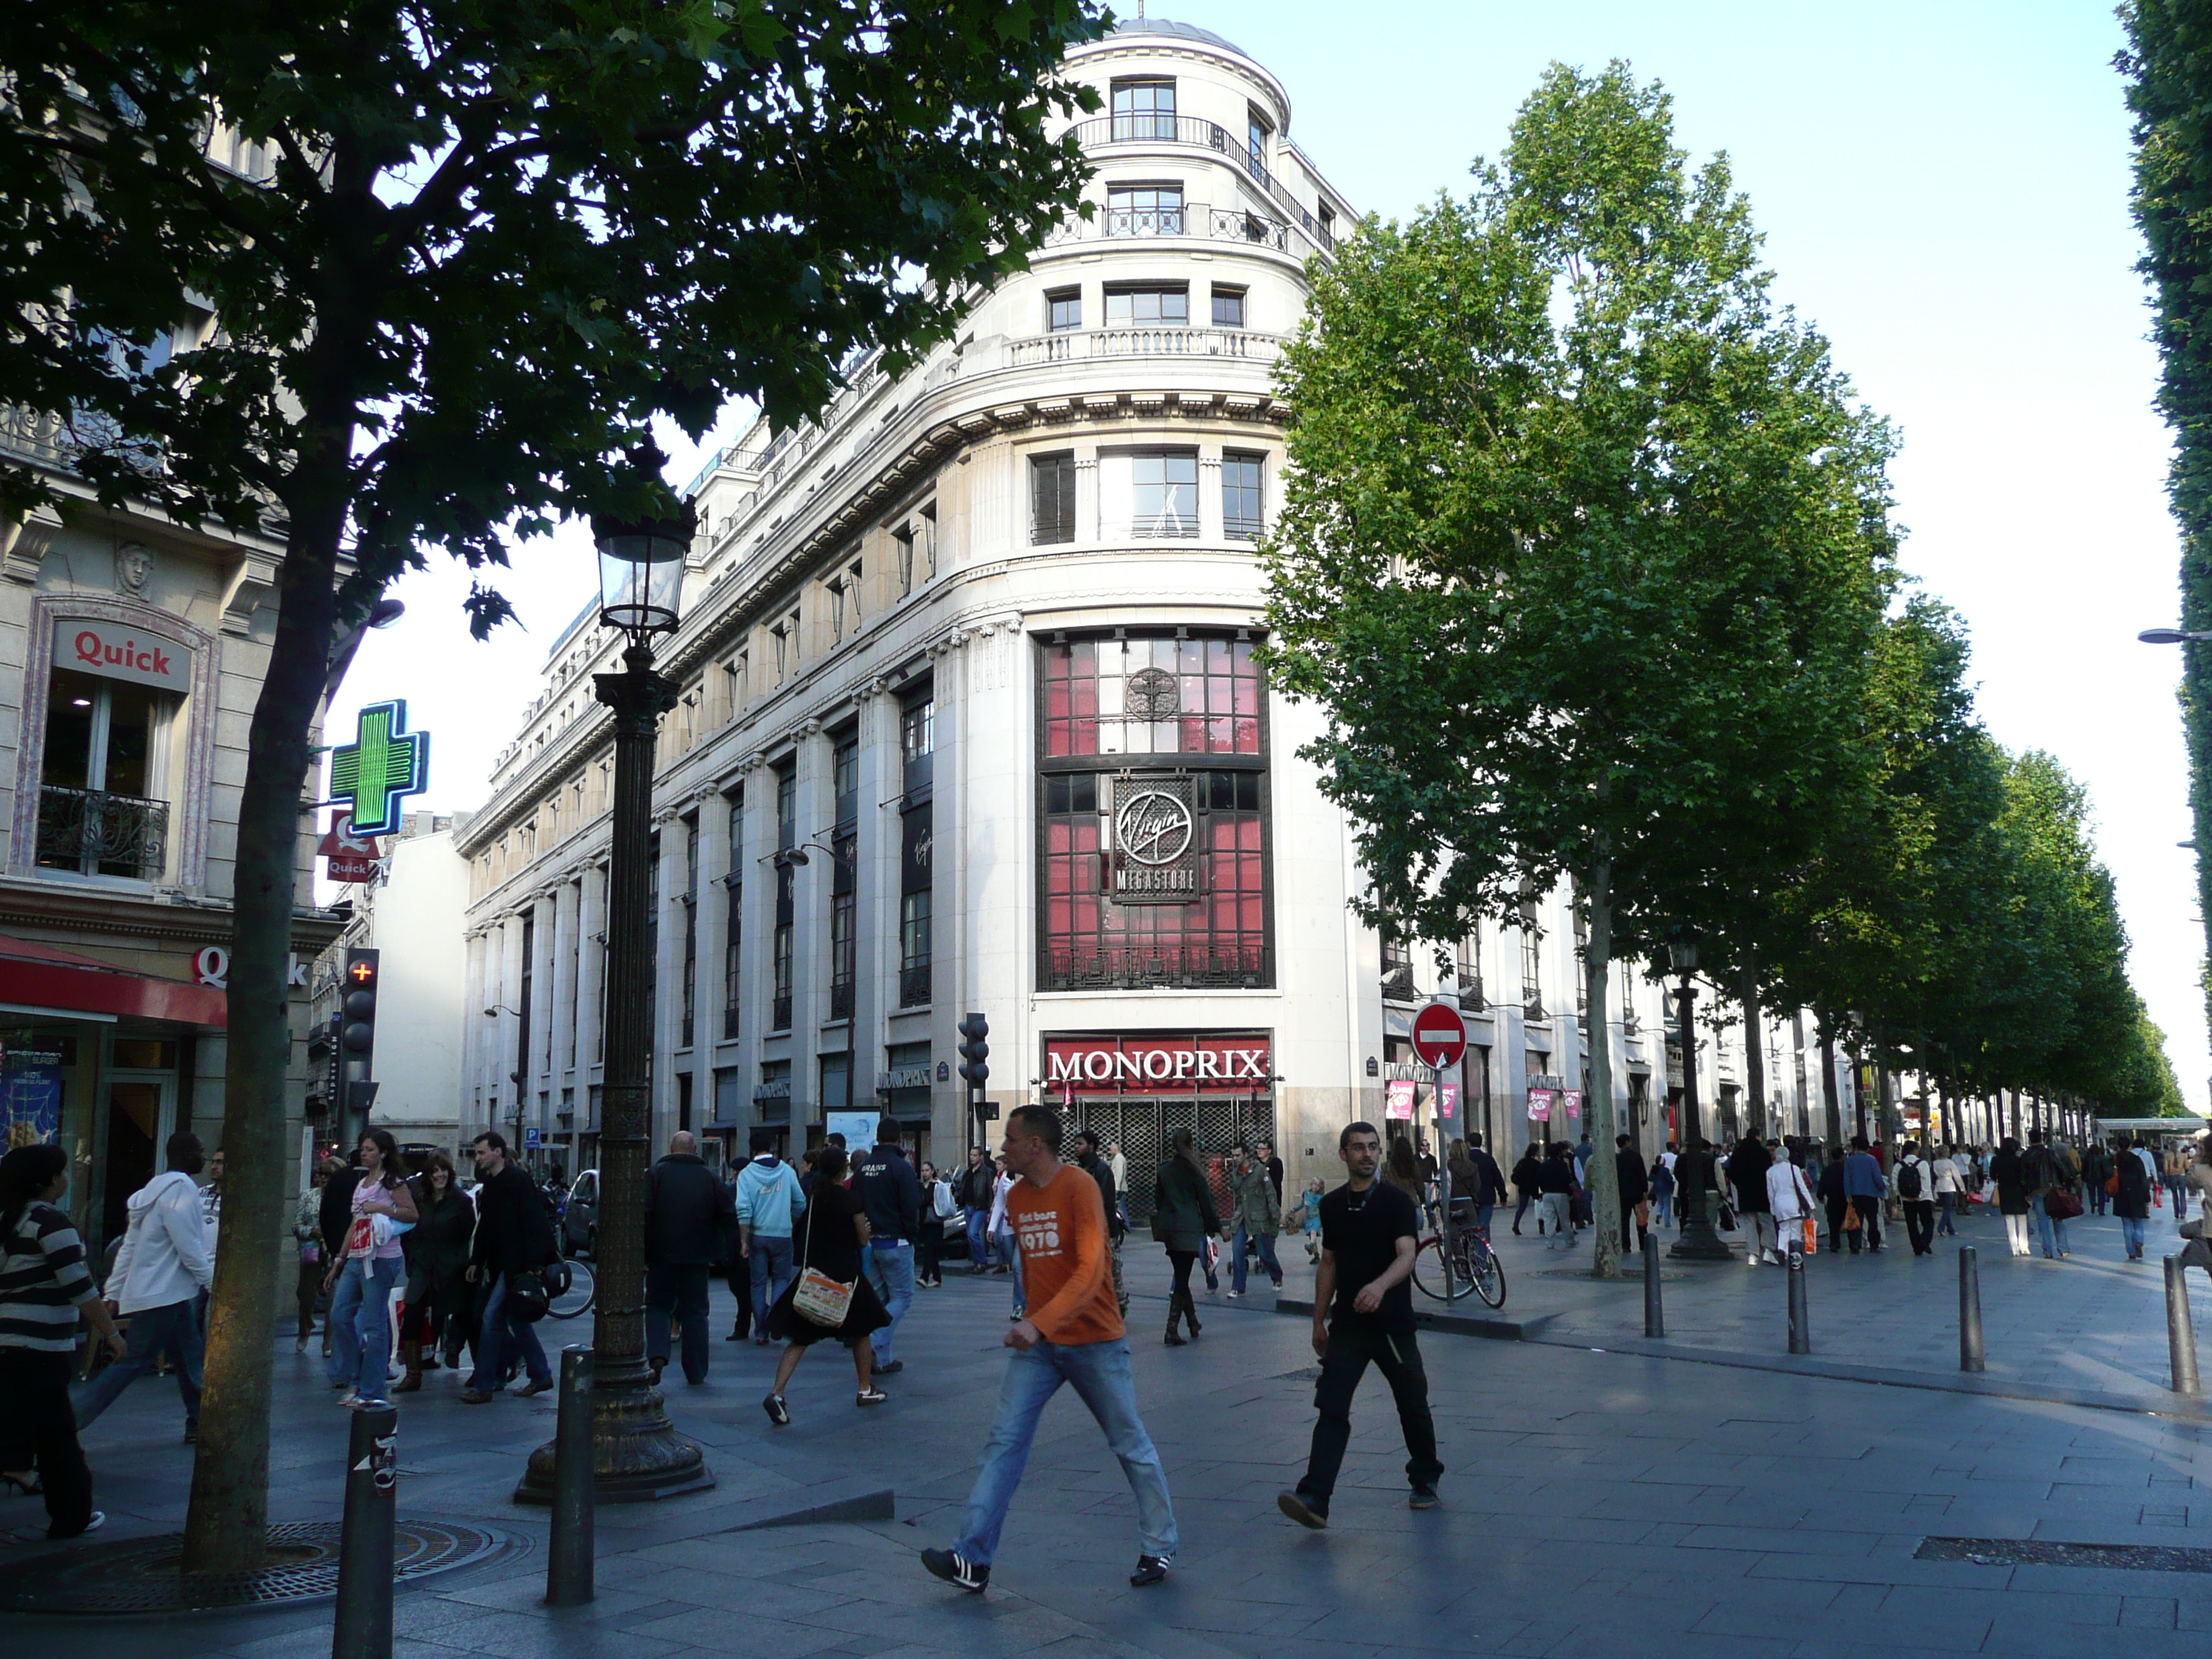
[383,763]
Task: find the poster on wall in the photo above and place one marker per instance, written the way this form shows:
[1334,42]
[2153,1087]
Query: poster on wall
[859,1129]
[1447,1102]
[31,1089]
[1398,1099]
[1540,1105]
[1572,1102]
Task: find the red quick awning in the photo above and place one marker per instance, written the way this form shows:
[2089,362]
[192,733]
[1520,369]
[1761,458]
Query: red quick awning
[42,977]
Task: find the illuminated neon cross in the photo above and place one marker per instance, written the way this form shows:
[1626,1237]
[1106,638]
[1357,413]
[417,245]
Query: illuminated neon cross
[384,763]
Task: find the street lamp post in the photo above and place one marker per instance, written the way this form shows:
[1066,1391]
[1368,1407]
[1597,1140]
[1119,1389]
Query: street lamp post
[636,1453]
[1697,1239]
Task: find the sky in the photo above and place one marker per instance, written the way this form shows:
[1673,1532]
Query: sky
[1943,193]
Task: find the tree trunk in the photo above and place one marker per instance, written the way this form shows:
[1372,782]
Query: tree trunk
[227,1526]
[1828,1091]
[1597,1035]
[1754,1048]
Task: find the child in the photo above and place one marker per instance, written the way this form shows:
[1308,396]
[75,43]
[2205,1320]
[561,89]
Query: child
[1305,1215]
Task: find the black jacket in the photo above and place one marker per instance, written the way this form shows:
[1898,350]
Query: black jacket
[436,1248]
[336,1216]
[974,1187]
[514,1230]
[1555,1175]
[1102,1172]
[1635,1185]
[1528,1174]
[1747,1172]
[689,1214]
[886,1185]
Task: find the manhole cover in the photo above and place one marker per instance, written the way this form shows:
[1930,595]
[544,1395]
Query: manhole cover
[141,1575]
[2036,1552]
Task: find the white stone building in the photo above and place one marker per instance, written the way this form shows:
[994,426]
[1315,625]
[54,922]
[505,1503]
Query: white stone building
[970,723]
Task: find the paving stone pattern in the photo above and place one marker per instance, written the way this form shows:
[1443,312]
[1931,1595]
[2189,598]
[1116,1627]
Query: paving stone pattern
[1596,1502]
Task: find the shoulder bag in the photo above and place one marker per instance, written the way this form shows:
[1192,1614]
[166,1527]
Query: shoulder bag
[819,1299]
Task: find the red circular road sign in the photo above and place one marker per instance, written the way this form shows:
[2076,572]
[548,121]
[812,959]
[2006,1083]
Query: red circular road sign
[1439,1035]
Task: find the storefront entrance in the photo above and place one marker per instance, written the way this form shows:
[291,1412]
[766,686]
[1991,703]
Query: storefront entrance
[1144,1128]
[142,1113]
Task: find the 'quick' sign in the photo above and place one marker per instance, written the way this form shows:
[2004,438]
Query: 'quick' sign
[119,652]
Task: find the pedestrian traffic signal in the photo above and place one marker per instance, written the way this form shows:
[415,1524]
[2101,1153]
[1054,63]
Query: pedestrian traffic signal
[357,1005]
[975,1049]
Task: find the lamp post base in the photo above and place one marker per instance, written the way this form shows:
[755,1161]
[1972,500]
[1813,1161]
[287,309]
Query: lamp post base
[1698,1242]
[637,1456]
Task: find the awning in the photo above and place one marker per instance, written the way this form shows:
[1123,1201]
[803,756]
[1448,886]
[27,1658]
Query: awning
[2152,1125]
[43,979]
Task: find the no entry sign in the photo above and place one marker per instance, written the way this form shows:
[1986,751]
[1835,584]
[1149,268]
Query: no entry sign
[1439,1036]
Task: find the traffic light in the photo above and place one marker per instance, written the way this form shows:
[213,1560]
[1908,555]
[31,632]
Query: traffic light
[975,1049]
[357,1035]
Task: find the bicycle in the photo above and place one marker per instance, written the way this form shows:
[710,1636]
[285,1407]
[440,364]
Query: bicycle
[570,1286]
[1475,1267]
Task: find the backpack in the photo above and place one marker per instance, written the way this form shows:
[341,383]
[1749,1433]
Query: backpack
[1908,1179]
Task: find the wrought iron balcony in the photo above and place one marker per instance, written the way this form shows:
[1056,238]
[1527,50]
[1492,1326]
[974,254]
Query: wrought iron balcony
[1198,134]
[913,987]
[97,834]
[1079,345]
[1131,967]
[1470,994]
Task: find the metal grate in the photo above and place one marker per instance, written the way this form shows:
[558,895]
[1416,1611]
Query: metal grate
[2036,1552]
[142,1576]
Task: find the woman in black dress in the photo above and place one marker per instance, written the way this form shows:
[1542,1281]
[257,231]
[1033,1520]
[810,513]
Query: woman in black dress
[831,1241]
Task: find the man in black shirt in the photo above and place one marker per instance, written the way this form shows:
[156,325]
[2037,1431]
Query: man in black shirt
[1088,1160]
[1368,1231]
[514,1235]
[689,1218]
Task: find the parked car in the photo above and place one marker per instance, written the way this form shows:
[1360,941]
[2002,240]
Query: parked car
[580,1216]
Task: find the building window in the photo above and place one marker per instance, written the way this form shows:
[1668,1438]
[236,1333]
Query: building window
[1143,211]
[103,777]
[734,935]
[913,950]
[1162,699]
[1144,109]
[1241,476]
[786,837]
[1326,216]
[1163,494]
[1063,310]
[845,602]
[1229,307]
[1397,967]
[1470,974]
[917,743]
[1582,968]
[1258,131]
[1154,306]
[690,932]
[929,542]
[844,841]
[903,540]
[1532,975]
[1052,498]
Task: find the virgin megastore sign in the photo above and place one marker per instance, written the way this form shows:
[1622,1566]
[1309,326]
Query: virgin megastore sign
[1153,1063]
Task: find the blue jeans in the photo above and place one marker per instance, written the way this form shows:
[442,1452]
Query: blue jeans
[1265,1244]
[1100,1372]
[1945,1203]
[2044,1227]
[500,1341]
[1008,1253]
[1662,1209]
[979,1250]
[771,1259]
[2131,1234]
[360,1323]
[890,1270]
[172,1329]
[678,1290]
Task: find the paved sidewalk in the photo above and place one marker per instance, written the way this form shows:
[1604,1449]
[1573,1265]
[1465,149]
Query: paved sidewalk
[1595,1502]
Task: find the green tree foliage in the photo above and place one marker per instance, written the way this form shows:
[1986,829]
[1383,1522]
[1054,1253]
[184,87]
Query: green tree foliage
[2169,68]
[469,253]
[1584,543]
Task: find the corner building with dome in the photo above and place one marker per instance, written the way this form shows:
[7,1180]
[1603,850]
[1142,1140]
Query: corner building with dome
[971,722]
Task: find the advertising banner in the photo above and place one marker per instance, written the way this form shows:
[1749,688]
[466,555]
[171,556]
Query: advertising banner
[1448,1102]
[1398,1098]
[1540,1105]
[1155,839]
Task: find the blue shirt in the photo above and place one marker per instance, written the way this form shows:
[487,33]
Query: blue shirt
[769,1197]
[1863,1177]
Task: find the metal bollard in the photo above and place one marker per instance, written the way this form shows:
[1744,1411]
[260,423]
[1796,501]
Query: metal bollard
[2180,1331]
[572,1550]
[1801,1323]
[361,1625]
[1655,1314]
[1970,1310]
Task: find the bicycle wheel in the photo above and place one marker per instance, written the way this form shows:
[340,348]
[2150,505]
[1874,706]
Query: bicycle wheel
[1429,1272]
[1488,1275]
[575,1295]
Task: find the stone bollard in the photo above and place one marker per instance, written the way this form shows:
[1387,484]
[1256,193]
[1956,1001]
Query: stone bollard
[2180,1331]
[1655,1314]
[570,1554]
[361,1625]
[1800,1324]
[1971,1357]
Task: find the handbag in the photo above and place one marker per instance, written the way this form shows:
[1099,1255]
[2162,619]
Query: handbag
[1851,1222]
[1727,1217]
[817,1298]
[2060,1204]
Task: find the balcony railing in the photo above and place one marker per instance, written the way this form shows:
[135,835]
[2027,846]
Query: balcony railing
[1090,345]
[1130,968]
[914,986]
[840,1001]
[97,834]
[779,1013]
[1202,135]
[1194,219]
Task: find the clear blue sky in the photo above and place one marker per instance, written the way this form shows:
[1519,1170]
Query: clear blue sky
[1944,190]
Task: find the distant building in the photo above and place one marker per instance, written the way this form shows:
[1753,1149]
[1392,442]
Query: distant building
[413,914]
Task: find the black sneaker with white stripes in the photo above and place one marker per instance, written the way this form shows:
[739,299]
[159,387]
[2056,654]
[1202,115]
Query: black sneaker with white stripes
[1151,1570]
[956,1569]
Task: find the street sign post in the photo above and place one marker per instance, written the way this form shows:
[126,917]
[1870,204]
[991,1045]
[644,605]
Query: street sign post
[1439,1040]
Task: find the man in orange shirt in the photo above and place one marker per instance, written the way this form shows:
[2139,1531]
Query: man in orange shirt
[1072,1333]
